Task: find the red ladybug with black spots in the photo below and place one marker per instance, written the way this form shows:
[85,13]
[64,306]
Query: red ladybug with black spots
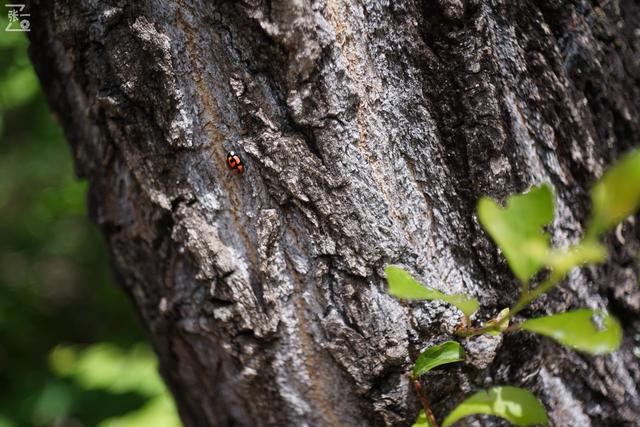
[235,163]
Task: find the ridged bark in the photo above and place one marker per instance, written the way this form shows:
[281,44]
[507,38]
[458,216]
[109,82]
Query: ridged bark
[369,130]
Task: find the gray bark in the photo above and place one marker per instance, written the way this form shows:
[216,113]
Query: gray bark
[370,129]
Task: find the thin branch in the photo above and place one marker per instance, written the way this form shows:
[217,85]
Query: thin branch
[425,403]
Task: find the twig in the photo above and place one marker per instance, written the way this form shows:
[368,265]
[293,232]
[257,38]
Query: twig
[525,299]
[425,403]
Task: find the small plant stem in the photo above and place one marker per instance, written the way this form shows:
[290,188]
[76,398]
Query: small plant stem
[525,299]
[425,403]
[469,332]
[467,321]
[513,328]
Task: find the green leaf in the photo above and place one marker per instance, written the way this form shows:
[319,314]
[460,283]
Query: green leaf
[593,332]
[516,405]
[447,352]
[465,304]
[517,228]
[18,88]
[616,195]
[500,326]
[159,411]
[107,367]
[403,285]
[422,420]
[587,252]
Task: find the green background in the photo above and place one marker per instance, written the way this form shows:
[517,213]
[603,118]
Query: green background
[72,352]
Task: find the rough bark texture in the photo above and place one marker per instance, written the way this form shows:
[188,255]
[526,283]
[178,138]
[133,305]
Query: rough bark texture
[370,129]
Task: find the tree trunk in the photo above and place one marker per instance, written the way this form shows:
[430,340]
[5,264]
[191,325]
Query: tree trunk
[369,130]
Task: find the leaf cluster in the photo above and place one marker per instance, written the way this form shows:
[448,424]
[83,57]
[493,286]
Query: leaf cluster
[520,230]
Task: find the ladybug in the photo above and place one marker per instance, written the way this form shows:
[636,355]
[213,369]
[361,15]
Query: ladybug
[234,161]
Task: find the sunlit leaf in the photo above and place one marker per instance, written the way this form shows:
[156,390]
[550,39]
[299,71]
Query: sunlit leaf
[464,303]
[518,406]
[63,359]
[18,81]
[587,252]
[594,332]
[105,366]
[157,412]
[616,195]
[18,88]
[403,285]
[447,352]
[422,420]
[517,228]
[500,326]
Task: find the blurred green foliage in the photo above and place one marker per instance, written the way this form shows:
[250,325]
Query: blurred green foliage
[107,367]
[71,350]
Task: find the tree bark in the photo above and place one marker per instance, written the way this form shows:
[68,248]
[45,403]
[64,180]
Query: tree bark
[369,130]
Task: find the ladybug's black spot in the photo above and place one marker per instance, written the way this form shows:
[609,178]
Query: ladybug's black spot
[234,161]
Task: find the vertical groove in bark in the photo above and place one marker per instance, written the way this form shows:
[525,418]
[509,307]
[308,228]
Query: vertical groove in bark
[369,129]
